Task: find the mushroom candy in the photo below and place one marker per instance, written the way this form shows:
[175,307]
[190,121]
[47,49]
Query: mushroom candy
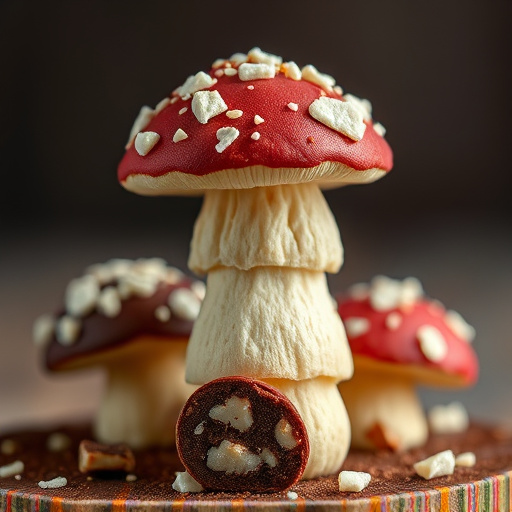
[400,339]
[134,319]
[260,138]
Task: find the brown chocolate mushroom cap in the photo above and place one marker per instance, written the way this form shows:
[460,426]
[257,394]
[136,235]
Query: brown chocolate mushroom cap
[254,123]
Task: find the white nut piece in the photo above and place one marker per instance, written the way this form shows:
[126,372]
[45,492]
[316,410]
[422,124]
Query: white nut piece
[448,419]
[232,458]
[440,464]
[284,435]
[186,483]
[465,460]
[235,412]
[353,481]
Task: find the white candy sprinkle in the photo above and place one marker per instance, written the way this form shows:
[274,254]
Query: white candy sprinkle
[448,419]
[109,302]
[58,442]
[131,478]
[256,136]
[291,70]
[219,73]
[356,326]
[393,321]
[234,114]
[145,142]
[163,313]
[293,106]
[43,329]
[143,118]
[441,464]
[386,293]
[230,71]
[137,283]
[60,481]
[292,495]
[338,90]
[12,469]
[81,295]
[466,460]
[364,106]
[259,56]
[207,104]
[174,100]
[179,135]
[248,71]
[359,291]
[258,119]
[250,87]
[218,63]
[379,129]
[339,115]
[199,288]
[353,481]
[195,83]
[432,343]
[182,110]
[67,330]
[161,105]
[226,137]
[311,74]
[184,303]
[238,58]
[459,326]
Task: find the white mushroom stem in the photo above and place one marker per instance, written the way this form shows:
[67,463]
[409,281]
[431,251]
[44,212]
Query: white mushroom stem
[384,411]
[321,408]
[268,313]
[144,394]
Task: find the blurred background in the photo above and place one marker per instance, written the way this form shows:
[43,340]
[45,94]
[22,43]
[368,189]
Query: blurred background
[75,74]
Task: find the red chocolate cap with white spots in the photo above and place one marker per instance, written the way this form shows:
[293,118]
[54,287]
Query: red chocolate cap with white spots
[252,112]
[115,303]
[390,323]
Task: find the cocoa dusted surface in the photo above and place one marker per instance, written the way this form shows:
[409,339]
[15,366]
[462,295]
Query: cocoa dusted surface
[391,473]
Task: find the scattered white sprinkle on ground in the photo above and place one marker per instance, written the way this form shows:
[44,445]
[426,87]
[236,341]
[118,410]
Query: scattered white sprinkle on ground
[258,119]
[207,104]
[43,329]
[248,71]
[250,87]
[131,478]
[339,115]
[145,142]
[109,302]
[393,321]
[163,313]
[234,114]
[226,137]
[357,326]
[67,330]
[256,136]
[440,464]
[58,442]
[17,477]
[448,419]
[459,326]
[379,129]
[142,120]
[184,303]
[432,343]
[353,481]
[292,495]
[291,70]
[465,460]
[60,481]
[311,74]
[293,106]
[12,469]
[219,73]
[182,111]
[8,447]
[230,71]
[179,135]
[186,483]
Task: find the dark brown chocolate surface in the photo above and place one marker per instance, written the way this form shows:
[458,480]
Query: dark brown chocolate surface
[137,317]
[268,407]
[391,473]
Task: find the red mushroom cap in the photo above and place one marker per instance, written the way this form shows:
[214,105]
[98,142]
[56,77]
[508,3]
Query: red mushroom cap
[289,137]
[391,325]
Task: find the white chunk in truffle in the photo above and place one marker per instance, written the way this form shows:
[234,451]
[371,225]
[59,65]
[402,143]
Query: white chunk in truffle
[207,104]
[440,464]
[284,435]
[232,458]
[339,115]
[235,412]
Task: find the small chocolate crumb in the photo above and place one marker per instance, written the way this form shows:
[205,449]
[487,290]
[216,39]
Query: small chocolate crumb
[94,456]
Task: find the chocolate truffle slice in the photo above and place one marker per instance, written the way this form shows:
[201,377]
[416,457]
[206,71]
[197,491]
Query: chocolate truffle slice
[239,434]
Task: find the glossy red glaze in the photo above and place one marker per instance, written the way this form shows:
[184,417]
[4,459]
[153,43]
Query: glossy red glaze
[284,134]
[401,346]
